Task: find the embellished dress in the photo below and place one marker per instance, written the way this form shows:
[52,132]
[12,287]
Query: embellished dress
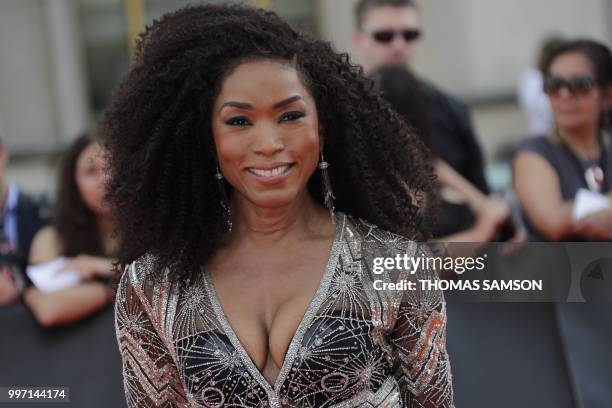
[356,345]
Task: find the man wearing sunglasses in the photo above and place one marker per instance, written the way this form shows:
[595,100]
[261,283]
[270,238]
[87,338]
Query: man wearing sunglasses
[387,34]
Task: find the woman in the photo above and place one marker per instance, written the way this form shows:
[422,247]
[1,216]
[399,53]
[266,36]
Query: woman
[82,234]
[553,176]
[574,163]
[241,288]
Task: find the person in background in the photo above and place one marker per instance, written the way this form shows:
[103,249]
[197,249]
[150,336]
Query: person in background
[531,97]
[21,217]
[404,92]
[556,175]
[387,33]
[82,232]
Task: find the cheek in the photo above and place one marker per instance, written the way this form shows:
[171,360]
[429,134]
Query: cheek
[374,49]
[90,192]
[555,105]
[589,108]
[230,148]
[595,105]
[307,147]
[381,52]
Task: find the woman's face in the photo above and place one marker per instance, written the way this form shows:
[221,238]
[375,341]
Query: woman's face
[265,129]
[580,110]
[90,175]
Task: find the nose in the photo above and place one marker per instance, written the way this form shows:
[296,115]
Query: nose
[398,43]
[564,92]
[268,141]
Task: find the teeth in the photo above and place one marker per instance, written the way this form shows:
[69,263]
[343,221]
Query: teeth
[270,173]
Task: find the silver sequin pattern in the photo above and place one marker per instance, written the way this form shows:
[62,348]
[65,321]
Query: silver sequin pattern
[355,346]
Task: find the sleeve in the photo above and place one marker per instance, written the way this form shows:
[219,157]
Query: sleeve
[536,145]
[150,374]
[418,340]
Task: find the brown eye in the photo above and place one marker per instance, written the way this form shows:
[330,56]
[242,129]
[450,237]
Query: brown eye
[238,121]
[292,116]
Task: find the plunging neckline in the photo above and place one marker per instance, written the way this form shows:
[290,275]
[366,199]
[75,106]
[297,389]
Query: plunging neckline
[305,322]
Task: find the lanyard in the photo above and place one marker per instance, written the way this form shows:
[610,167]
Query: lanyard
[594,177]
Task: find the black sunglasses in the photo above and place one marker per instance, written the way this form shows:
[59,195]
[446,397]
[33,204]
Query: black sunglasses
[578,85]
[386,36]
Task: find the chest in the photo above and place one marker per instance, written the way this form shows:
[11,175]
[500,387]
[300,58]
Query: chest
[264,299]
[574,172]
[308,337]
[333,356]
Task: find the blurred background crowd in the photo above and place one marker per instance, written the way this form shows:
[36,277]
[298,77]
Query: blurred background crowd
[513,98]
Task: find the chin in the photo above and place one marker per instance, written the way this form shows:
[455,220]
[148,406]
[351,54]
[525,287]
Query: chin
[571,124]
[274,202]
[274,199]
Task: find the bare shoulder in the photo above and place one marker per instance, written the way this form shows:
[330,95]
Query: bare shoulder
[46,245]
[527,162]
[525,165]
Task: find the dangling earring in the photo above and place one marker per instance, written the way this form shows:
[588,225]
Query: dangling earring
[328,194]
[227,214]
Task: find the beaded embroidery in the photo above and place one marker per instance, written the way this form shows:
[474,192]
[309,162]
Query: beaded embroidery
[355,346]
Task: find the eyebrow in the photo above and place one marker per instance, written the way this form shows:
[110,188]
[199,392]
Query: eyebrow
[247,106]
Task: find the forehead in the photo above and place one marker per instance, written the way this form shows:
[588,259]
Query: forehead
[261,81]
[572,64]
[89,154]
[391,17]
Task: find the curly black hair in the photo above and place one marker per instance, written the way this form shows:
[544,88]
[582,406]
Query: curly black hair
[158,134]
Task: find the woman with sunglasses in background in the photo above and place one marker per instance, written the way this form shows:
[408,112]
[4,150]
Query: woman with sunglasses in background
[562,180]
[557,177]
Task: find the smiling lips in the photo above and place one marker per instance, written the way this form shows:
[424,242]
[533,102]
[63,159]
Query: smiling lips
[269,171]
